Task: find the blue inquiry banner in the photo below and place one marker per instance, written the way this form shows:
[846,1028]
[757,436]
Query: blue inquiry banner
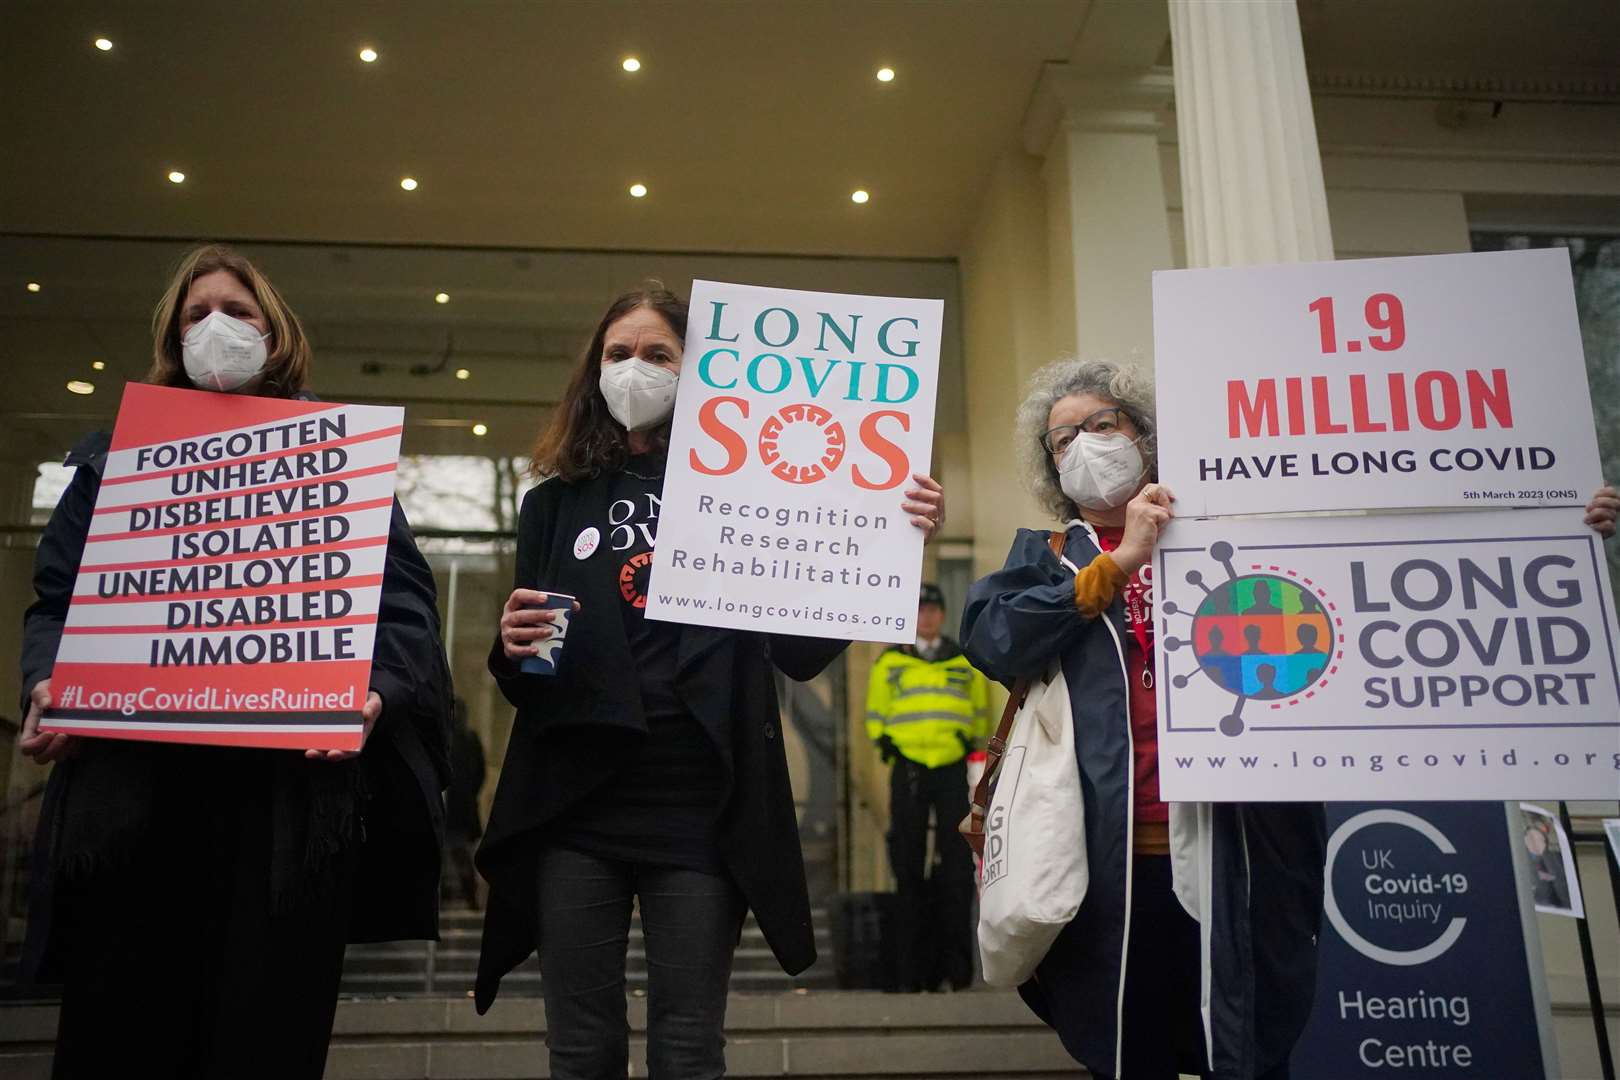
[1423,970]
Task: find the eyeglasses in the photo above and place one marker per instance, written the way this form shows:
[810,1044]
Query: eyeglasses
[1101,422]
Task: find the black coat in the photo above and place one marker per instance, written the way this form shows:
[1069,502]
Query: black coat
[574,730]
[405,764]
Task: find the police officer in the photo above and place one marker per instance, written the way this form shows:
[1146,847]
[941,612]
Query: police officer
[926,709]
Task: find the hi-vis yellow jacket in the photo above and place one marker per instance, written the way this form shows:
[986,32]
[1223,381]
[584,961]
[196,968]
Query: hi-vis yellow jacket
[927,707]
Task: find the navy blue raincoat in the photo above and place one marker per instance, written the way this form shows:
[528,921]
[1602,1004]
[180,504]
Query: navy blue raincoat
[1251,874]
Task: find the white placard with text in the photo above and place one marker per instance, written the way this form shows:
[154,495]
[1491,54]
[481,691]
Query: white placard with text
[1406,656]
[800,421]
[1439,380]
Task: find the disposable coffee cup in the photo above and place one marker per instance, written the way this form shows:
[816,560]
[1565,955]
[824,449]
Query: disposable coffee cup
[551,648]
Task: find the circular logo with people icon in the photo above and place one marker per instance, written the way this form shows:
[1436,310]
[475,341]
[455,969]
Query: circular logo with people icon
[1266,634]
[1262,636]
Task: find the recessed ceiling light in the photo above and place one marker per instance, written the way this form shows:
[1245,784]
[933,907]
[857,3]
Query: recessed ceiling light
[858,196]
[885,75]
[104,44]
[368,55]
[463,374]
[33,286]
[631,64]
[176,176]
[408,183]
[79,386]
[441,298]
[638,191]
[98,365]
[480,429]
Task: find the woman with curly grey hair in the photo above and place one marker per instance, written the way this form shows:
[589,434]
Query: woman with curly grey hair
[1194,949]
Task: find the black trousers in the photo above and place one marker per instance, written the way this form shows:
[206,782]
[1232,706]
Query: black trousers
[691,922]
[935,912]
[1163,1031]
[174,965]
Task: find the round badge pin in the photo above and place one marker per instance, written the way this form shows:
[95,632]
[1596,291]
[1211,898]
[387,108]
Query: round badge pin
[587,542]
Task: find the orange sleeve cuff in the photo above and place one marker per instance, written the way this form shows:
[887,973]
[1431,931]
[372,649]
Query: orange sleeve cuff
[1096,585]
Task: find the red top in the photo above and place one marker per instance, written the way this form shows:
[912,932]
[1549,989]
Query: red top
[1138,596]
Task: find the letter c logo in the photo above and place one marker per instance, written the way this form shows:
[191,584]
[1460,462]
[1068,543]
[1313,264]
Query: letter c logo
[1330,905]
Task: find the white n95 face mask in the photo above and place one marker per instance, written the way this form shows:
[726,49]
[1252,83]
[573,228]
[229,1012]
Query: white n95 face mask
[222,353]
[1101,471]
[639,395]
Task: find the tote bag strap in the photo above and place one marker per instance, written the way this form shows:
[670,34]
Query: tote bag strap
[972,826]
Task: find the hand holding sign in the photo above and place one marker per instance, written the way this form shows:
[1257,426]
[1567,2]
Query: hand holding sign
[369,715]
[50,746]
[1602,511]
[1146,515]
[926,505]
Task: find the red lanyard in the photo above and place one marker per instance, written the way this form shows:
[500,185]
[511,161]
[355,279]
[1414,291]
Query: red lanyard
[1136,614]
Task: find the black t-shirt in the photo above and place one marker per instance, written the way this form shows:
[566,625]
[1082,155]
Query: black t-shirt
[661,806]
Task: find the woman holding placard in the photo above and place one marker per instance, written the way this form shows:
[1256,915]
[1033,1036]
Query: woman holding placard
[1121,984]
[195,901]
[646,762]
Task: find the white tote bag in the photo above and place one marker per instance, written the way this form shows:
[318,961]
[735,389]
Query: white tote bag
[1034,872]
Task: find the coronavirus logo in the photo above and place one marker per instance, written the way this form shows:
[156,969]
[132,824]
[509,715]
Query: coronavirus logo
[633,577]
[802,444]
[1265,634]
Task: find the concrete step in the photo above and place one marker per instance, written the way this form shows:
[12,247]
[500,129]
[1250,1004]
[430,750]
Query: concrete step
[360,958]
[466,943]
[401,967]
[526,981]
[469,936]
[814,1035]
[462,918]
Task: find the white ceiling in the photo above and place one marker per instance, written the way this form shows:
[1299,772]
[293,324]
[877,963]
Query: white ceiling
[751,122]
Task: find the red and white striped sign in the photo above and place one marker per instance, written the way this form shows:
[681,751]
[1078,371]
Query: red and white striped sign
[232,573]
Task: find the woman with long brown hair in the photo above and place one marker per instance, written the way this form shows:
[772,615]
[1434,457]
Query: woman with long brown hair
[649,768]
[194,901]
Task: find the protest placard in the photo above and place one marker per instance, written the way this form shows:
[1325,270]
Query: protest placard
[1430,961]
[230,583]
[1441,656]
[799,422]
[1440,380]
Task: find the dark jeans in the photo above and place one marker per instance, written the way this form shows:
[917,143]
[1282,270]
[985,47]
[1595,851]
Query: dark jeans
[691,921]
[1163,1031]
[174,965]
[934,921]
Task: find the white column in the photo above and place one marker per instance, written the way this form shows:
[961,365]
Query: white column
[1251,174]
[1107,225]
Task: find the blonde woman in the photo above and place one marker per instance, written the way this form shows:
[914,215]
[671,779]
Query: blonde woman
[194,902]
